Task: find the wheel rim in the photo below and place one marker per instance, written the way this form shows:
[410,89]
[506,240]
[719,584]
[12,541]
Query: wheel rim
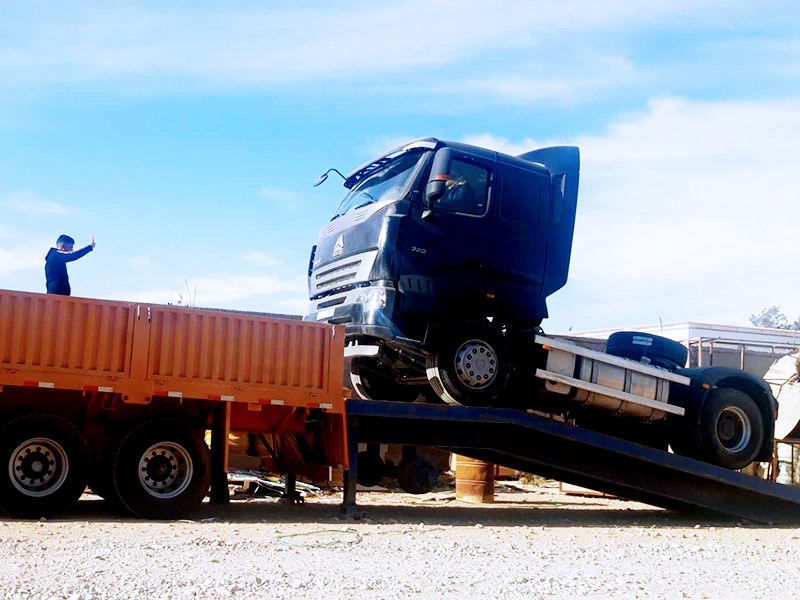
[734,430]
[165,470]
[38,467]
[476,364]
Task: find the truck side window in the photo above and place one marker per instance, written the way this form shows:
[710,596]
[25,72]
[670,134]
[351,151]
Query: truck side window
[467,189]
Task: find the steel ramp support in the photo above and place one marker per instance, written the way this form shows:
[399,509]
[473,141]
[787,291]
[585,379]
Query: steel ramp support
[567,453]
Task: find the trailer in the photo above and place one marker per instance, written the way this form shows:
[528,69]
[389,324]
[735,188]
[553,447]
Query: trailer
[119,396]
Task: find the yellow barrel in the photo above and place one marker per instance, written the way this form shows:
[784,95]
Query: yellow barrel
[474,480]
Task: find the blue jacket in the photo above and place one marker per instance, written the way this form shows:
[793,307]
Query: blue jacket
[55,269]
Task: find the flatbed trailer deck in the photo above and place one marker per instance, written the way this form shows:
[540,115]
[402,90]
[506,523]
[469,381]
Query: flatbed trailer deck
[539,445]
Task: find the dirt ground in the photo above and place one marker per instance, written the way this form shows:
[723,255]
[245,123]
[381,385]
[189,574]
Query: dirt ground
[532,542]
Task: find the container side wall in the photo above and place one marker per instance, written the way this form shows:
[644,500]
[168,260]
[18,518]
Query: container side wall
[253,350]
[67,335]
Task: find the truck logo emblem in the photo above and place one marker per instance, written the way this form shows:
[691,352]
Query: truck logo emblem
[338,247]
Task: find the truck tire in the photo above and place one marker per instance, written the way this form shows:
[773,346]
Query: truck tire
[44,465]
[470,366]
[162,469]
[371,381]
[731,429]
[647,348]
[369,468]
[417,476]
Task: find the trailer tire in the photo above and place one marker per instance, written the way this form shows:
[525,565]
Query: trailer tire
[647,348]
[370,381]
[731,429]
[162,469]
[470,366]
[46,466]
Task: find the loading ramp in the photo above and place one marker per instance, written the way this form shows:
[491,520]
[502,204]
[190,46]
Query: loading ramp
[560,451]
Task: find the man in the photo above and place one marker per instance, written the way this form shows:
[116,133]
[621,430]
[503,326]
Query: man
[55,267]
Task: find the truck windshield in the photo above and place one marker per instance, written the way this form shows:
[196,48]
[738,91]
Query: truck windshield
[385,184]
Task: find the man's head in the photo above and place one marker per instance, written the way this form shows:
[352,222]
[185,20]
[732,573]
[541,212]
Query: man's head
[64,243]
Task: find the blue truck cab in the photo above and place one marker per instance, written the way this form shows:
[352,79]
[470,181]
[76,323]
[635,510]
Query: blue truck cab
[444,248]
[439,262]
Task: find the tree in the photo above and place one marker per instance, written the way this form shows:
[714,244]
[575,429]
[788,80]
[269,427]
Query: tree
[774,318]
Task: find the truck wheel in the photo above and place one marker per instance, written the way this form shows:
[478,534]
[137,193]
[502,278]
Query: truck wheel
[417,476]
[731,429]
[651,349]
[470,366]
[162,469]
[47,465]
[371,381]
[370,468]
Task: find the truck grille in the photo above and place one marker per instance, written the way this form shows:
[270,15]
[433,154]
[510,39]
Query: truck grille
[343,274]
[336,278]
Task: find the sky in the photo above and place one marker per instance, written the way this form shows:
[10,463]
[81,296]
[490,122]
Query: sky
[186,135]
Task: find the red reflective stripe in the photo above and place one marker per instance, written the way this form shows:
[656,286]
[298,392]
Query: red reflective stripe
[273,401]
[41,384]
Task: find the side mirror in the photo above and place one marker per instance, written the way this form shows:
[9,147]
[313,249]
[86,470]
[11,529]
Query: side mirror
[440,168]
[435,190]
[322,178]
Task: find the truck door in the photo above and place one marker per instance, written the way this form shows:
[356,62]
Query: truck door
[520,229]
[449,250]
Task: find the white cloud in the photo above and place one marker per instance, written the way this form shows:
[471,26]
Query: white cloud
[26,201]
[139,261]
[261,293]
[21,251]
[278,195]
[20,258]
[687,211]
[261,259]
[218,45]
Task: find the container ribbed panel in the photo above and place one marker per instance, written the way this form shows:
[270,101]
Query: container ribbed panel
[237,348]
[65,334]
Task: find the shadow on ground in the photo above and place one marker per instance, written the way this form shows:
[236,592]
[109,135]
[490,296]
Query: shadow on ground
[550,513]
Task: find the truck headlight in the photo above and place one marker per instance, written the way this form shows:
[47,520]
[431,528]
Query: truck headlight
[372,299]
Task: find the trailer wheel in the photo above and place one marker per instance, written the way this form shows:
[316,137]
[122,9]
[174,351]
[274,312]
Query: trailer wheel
[371,381]
[470,366]
[162,469]
[417,476]
[731,429]
[47,465]
[645,347]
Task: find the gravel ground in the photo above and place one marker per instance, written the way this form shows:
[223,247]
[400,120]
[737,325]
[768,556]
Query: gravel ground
[531,543]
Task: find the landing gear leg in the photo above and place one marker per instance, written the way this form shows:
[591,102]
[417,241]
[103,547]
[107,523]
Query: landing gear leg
[349,507]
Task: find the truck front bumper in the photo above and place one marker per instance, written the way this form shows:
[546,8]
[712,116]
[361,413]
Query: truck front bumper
[364,312]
